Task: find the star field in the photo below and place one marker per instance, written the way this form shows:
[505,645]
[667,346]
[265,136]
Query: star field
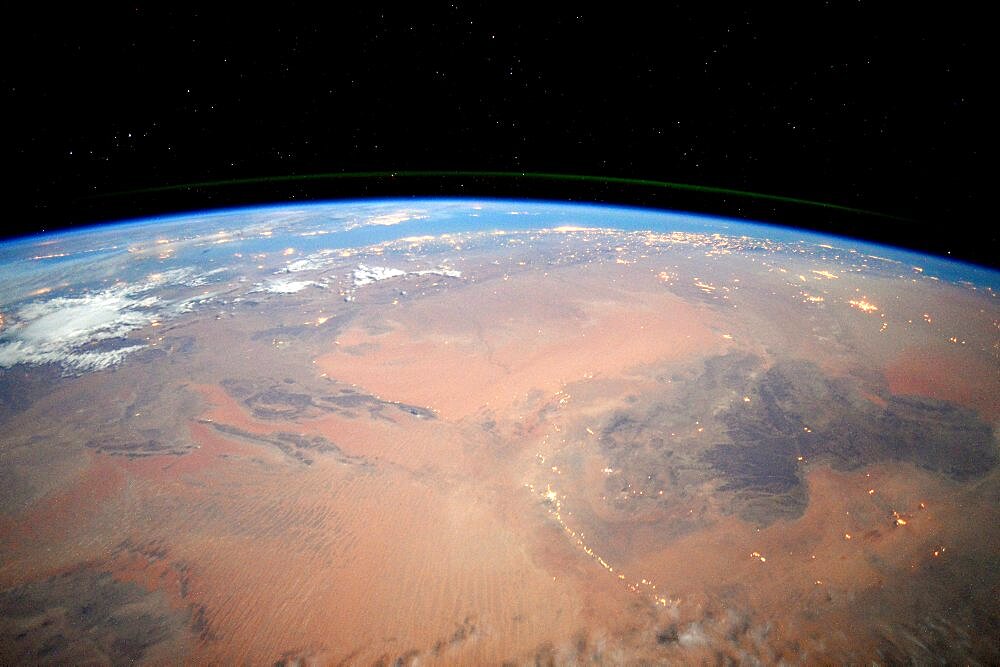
[841,102]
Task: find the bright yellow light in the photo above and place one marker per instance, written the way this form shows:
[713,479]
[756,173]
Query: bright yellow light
[825,274]
[863,305]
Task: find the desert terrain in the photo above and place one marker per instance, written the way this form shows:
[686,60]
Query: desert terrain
[585,448]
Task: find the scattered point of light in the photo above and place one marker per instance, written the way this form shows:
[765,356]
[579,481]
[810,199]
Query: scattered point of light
[825,274]
[708,288]
[863,305]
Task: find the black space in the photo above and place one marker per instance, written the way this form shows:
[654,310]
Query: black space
[877,106]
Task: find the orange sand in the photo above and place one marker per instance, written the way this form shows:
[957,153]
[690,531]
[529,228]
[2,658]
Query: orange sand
[537,337]
[436,548]
[950,375]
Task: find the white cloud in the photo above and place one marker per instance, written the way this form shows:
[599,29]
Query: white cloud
[90,331]
[366,275]
[396,218]
[18,352]
[285,286]
[693,635]
[314,262]
[58,330]
[447,273]
[388,219]
[108,314]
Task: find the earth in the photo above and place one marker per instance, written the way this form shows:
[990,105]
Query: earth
[482,432]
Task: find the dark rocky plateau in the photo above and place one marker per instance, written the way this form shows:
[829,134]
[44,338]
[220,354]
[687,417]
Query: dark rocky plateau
[795,416]
[269,400]
[301,448]
[85,617]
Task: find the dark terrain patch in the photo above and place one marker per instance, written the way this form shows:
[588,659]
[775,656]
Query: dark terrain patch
[276,403]
[145,425]
[85,617]
[755,428]
[116,413]
[656,446]
[463,633]
[284,332]
[302,448]
[303,331]
[21,386]
[668,635]
[349,399]
[168,347]
[140,448]
[287,402]
[797,411]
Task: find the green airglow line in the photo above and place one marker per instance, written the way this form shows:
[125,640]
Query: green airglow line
[529,175]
